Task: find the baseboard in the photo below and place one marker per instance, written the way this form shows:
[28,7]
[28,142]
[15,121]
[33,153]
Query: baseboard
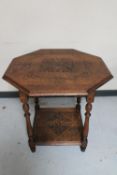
[9,94]
[106,93]
[14,94]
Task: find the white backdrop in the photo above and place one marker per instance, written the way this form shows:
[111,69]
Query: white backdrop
[87,25]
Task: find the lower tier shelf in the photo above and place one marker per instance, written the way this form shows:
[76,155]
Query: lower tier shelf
[58,126]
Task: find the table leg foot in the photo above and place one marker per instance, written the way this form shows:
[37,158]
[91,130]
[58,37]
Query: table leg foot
[84,145]
[32,145]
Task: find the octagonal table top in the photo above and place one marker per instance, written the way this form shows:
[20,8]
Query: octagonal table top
[57,72]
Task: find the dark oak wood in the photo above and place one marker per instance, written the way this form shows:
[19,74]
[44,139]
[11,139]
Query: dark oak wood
[57,72]
[56,126]
[24,100]
[88,107]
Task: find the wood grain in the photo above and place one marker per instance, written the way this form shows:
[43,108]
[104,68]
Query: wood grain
[57,72]
[24,100]
[58,126]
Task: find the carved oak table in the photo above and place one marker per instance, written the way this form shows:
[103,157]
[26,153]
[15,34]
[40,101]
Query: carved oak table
[57,72]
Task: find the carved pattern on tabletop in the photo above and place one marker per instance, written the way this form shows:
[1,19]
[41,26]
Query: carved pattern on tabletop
[61,65]
[50,66]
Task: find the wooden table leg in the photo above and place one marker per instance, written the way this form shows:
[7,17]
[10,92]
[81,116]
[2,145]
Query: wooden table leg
[36,106]
[24,100]
[88,108]
[78,104]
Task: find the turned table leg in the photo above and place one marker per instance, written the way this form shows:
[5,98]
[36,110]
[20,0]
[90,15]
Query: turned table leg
[36,106]
[78,104]
[24,100]
[88,108]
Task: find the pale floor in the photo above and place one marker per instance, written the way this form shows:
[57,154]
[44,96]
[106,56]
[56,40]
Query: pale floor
[100,157]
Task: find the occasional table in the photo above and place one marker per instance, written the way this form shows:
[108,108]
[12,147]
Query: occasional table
[57,72]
